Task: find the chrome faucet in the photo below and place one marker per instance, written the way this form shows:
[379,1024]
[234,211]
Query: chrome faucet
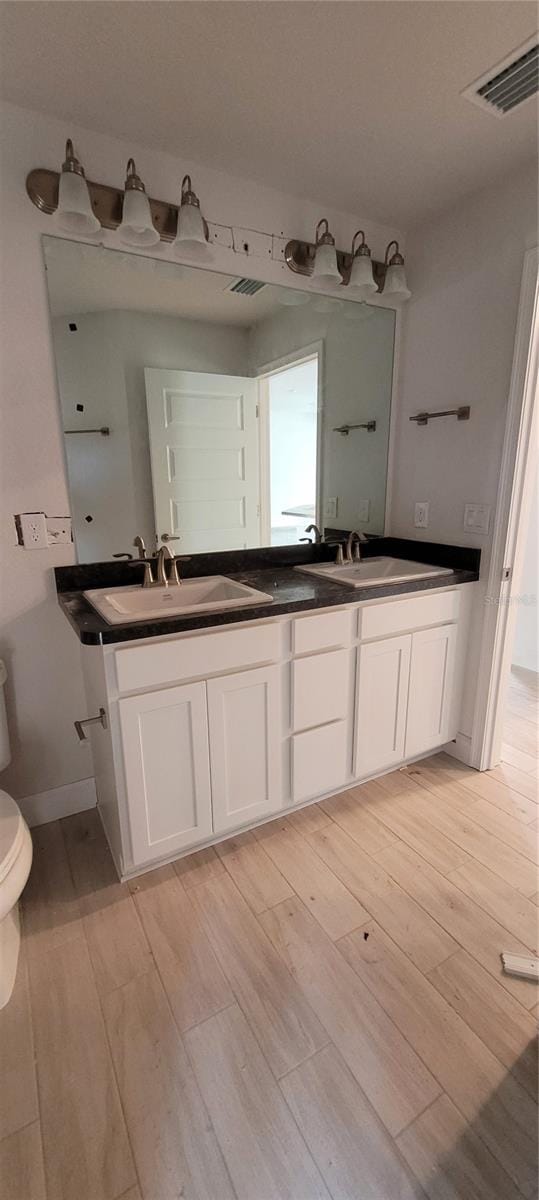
[318,536]
[162,578]
[353,546]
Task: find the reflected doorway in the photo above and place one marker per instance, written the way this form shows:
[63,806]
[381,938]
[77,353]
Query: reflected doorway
[289,411]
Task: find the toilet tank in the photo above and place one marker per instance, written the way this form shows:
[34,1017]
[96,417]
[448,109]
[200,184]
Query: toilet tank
[5,752]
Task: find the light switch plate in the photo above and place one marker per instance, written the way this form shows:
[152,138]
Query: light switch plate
[330,507]
[477,518]
[421,514]
[364,510]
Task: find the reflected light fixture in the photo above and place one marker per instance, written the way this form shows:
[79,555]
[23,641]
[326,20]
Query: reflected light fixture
[192,232]
[74,212]
[361,281]
[137,227]
[395,286]
[325,259]
[290,298]
[326,304]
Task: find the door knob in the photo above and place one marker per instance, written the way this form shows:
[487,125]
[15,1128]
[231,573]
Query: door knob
[170,537]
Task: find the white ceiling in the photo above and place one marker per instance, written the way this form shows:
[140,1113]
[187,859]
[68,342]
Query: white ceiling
[354,104]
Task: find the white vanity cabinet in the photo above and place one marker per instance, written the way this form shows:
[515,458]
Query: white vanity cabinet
[214,731]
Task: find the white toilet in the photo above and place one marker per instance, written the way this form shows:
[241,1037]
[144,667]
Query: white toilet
[15,862]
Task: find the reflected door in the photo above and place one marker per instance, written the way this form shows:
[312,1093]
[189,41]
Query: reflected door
[204,455]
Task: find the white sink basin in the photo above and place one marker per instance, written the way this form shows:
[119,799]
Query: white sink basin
[372,571]
[213,593]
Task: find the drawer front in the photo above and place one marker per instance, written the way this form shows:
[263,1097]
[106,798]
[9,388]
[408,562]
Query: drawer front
[415,612]
[321,632]
[158,663]
[320,688]
[319,760]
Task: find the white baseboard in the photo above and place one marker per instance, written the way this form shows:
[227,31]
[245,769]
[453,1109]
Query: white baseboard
[58,802]
[461,748]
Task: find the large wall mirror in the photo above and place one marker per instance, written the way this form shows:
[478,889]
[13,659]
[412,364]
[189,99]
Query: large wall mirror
[217,410]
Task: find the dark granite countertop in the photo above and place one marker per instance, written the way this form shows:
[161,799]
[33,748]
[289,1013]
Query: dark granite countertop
[292,591]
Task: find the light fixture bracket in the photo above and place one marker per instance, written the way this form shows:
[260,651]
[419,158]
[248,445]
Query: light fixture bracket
[133,182]
[107,202]
[299,257]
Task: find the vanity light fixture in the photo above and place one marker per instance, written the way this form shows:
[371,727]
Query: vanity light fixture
[361,282]
[192,232]
[137,227]
[74,212]
[325,260]
[395,286]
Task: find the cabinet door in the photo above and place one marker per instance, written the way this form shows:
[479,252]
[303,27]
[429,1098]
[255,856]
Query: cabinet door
[382,689]
[166,763]
[431,689]
[245,746]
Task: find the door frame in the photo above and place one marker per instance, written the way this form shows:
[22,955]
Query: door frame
[519,459]
[263,373]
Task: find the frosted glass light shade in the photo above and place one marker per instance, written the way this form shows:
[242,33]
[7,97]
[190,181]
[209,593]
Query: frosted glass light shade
[362,282]
[325,264]
[74,212]
[290,298]
[191,235]
[137,228]
[395,286]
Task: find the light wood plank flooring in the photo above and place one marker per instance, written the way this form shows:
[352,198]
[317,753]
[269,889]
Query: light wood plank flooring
[316,1011]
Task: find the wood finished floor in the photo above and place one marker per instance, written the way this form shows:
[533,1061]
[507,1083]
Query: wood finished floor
[316,1009]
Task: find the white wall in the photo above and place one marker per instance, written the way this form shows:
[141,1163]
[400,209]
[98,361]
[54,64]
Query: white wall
[101,365]
[525,645]
[357,376]
[45,690]
[465,270]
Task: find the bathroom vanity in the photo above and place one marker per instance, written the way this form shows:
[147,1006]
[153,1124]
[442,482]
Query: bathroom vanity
[207,731]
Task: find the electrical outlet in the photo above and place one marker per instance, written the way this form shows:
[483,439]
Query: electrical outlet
[421,514]
[330,507]
[364,510]
[59,531]
[32,529]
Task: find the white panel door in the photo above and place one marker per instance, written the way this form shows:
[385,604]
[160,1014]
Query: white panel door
[431,689]
[204,456]
[245,746]
[382,690]
[167,772]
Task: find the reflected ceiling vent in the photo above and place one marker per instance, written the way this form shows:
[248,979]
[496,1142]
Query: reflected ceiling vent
[245,287]
[510,83]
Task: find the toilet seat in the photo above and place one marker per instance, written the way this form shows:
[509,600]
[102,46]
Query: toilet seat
[12,833]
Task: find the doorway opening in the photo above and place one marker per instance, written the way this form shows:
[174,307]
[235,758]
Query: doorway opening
[289,449]
[506,696]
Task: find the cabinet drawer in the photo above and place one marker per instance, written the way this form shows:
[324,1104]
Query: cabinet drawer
[319,760]
[321,632]
[400,616]
[320,688]
[148,666]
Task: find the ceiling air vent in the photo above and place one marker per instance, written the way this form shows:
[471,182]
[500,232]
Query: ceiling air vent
[245,287]
[510,83]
